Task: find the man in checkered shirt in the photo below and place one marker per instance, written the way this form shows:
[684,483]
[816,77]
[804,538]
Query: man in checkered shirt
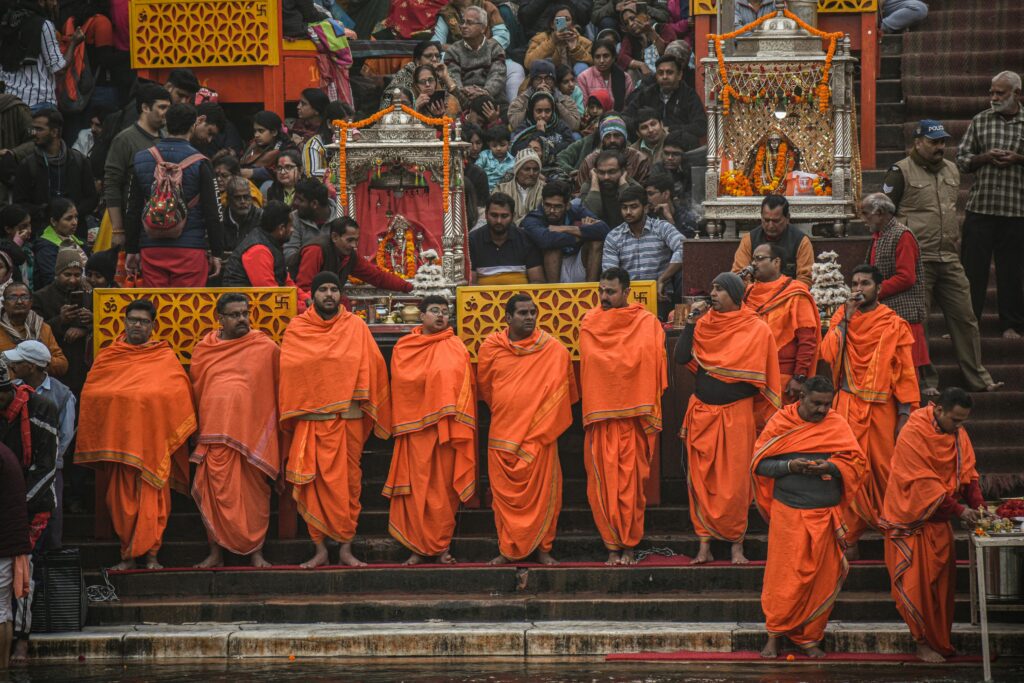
[993,148]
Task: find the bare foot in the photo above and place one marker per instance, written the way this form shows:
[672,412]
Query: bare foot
[345,556]
[704,554]
[258,560]
[613,558]
[319,558]
[1009,333]
[814,652]
[214,559]
[152,562]
[123,566]
[628,556]
[737,554]
[413,560]
[852,553]
[499,560]
[20,653]
[926,654]
[995,386]
[544,557]
[446,558]
[771,648]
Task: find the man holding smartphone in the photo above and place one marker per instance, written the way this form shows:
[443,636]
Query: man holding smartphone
[67,309]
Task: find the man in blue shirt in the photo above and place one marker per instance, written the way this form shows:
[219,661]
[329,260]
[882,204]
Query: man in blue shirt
[570,236]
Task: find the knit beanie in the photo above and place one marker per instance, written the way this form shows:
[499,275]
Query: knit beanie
[524,156]
[104,263]
[613,124]
[732,284]
[324,277]
[543,67]
[68,257]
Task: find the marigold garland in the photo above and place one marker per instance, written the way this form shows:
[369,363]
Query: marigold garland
[444,123]
[408,259]
[823,91]
[735,183]
[761,164]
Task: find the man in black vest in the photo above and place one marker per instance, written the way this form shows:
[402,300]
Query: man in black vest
[335,252]
[258,260]
[775,229]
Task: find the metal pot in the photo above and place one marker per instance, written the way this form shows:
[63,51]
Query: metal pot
[1004,573]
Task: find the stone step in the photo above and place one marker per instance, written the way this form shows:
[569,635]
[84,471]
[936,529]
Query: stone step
[163,643]
[385,550]
[891,45]
[889,90]
[889,112]
[889,136]
[1013,375]
[988,325]
[994,350]
[892,66]
[477,580]
[669,606]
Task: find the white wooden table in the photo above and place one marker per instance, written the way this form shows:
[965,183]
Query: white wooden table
[978,546]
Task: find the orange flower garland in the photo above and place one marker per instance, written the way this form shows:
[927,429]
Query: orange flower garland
[444,123]
[822,186]
[823,91]
[408,259]
[782,163]
[735,184]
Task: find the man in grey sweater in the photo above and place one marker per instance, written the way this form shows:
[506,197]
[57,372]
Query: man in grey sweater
[477,63]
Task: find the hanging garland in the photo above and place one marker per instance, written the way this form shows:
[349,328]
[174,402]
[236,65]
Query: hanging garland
[823,91]
[444,123]
[763,168]
[409,254]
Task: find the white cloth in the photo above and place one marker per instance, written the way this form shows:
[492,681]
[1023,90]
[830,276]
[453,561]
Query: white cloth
[6,589]
[573,269]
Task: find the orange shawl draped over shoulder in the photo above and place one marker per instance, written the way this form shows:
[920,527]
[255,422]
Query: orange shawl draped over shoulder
[927,465]
[137,411]
[731,348]
[235,384]
[786,432]
[623,367]
[878,363]
[432,384]
[325,366]
[786,305]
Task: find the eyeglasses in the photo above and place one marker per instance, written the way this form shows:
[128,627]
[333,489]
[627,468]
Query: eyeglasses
[287,167]
[433,56]
[467,22]
[443,312]
[237,315]
[762,258]
[18,298]
[137,322]
[427,81]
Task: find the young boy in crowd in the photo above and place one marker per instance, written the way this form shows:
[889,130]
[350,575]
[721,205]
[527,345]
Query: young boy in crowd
[496,160]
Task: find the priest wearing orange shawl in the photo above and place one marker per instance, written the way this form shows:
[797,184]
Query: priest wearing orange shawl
[806,463]
[333,390]
[624,373]
[433,405]
[234,379]
[734,356]
[526,378]
[868,347]
[792,315]
[933,465]
[135,420]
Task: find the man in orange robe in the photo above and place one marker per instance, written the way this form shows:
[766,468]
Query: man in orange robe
[806,462]
[932,466]
[792,315]
[333,391]
[525,376]
[234,378]
[734,356]
[868,347]
[433,405]
[624,373]
[136,417]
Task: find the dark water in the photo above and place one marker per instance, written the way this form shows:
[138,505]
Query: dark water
[513,671]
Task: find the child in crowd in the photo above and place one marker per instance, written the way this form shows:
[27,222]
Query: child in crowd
[496,160]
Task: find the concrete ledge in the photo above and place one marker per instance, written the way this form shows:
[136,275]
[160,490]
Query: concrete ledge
[156,642]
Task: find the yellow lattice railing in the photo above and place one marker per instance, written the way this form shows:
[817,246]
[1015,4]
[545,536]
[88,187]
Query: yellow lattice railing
[560,308]
[192,33]
[826,6]
[184,316]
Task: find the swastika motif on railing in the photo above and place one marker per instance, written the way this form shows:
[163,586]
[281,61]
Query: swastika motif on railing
[184,316]
[825,6]
[560,309]
[176,33]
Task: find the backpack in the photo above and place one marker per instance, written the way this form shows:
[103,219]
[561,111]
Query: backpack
[166,212]
[75,85]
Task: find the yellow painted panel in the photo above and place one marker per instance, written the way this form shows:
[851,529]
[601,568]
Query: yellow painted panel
[826,6]
[204,33]
[560,309]
[184,316]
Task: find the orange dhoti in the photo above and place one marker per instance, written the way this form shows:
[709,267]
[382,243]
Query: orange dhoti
[233,498]
[923,570]
[138,511]
[331,452]
[719,443]
[616,485]
[527,498]
[804,572]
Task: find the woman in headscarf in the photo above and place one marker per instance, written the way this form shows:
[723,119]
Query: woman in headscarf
[269,140]
[606,75]
[59,234]
[526,184]
[543,123]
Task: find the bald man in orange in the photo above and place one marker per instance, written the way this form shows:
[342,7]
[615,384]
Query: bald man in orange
[868,347]
[806,463]
[789,309]
[932,467]
[333,391]
[734,357]
[624,373]
[433,405]
[525,376]
[234,378]
[137,415]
